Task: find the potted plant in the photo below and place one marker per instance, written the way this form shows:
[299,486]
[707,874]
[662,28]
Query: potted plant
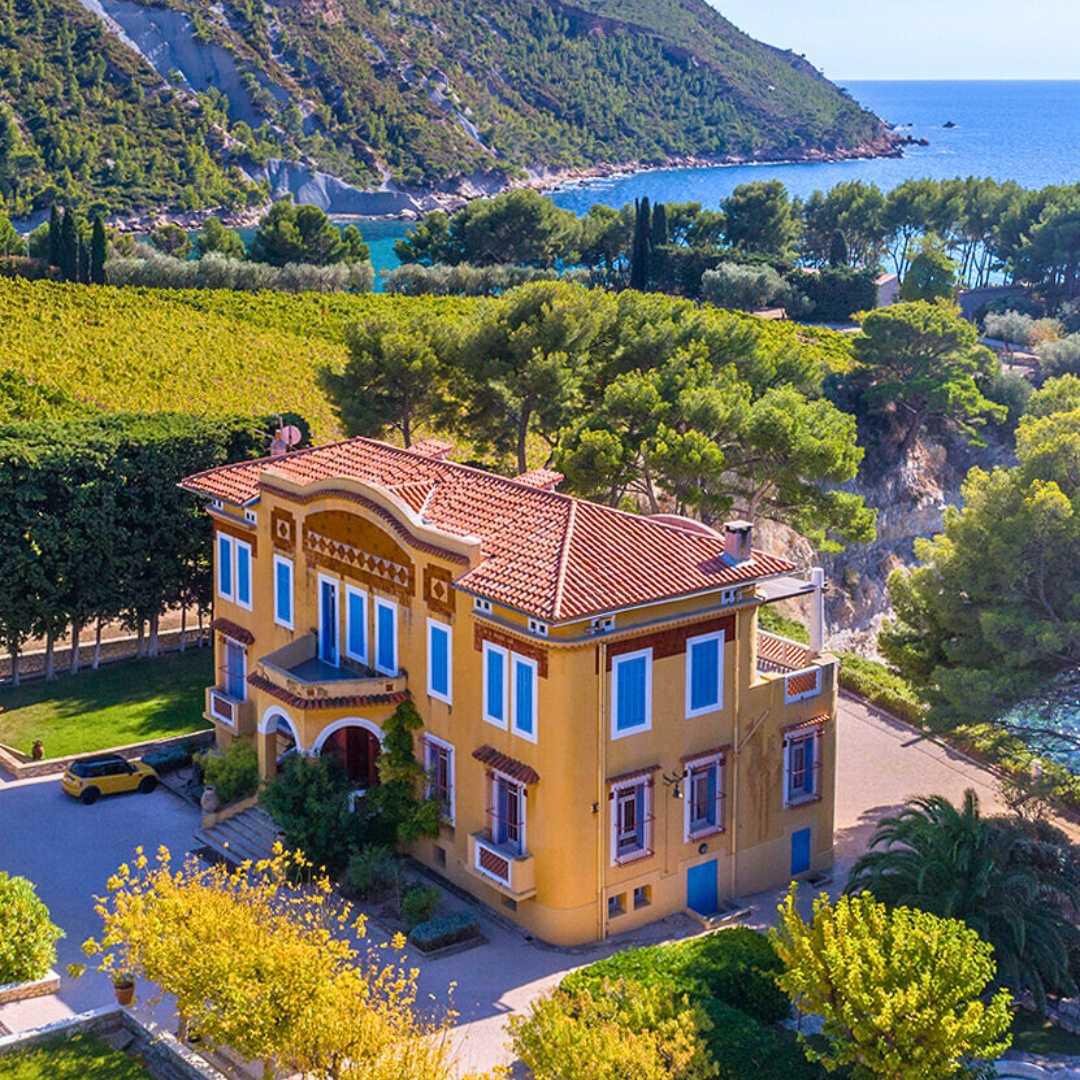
[37,751]
[124,987]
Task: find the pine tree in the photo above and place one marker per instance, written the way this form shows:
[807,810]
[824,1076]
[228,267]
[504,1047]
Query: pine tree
[55,240]
[838,250]
[69,247]
[98,253]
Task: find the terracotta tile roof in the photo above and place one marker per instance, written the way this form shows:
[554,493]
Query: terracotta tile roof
[347,701]
[549,555]
[504,763]
[233,630]
[545,479]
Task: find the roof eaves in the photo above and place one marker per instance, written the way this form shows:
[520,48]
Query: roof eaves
[564,559]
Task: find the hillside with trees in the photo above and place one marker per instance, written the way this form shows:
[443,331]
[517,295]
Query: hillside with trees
[425,94]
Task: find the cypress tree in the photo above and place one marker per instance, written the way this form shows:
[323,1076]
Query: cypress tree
[84,260]
[641,250]
[659,226]
[69,247]
[838,250]
[98,253]
[54,235]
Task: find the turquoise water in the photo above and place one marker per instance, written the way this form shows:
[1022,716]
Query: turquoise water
[1023,131]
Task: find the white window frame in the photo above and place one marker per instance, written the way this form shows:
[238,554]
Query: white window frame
[718,637]
[616,661]
[237,545]
[813,736]
[336,582]
[618,789]
[281,560]
[534,667]
[431,742]
[480,604]
[491,648]
[448,697]
[389,605]
[523,802]
[715,761]
[361,658]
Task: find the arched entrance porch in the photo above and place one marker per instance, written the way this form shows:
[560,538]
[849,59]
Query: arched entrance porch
[279,738]
[356,743]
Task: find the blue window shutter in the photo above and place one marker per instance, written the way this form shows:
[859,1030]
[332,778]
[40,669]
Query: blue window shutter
[243,575]
[283,580]
[808,775]
[523,718]
[386,638]
[357,625]
[224,566]
[631,688]
[704,674]
[710,809]
[639,798]
[439,661]
[235,662]
[495,684]
[501,803]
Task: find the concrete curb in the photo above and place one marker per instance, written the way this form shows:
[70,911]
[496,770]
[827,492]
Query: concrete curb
[23,991]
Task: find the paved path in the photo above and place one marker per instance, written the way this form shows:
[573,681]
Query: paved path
[69,849]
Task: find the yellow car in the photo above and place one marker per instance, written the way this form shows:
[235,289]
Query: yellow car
[107,774]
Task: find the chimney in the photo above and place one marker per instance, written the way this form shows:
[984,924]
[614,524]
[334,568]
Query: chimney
[817,611]
[738,540]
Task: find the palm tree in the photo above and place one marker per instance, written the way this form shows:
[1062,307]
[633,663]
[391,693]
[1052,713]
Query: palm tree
[1015,883]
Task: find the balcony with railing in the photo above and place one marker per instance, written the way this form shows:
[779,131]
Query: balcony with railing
[298,670]
[235,713]
[804,675]
[503,866]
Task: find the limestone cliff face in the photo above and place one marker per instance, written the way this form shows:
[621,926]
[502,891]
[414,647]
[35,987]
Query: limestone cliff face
[910,496]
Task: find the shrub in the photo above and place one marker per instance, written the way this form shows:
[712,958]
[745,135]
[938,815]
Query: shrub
[626,1029]
[27,935]
[310,801]
[749,288]
[1060,357]
[444,931]
[234,775]
[880,686]
[771,620]
[1020,329]
[168,759]
[742,1047]
[414,279]
[1013,390]
[736,966]
[374,872]
[216,271]
[419,904]
[836,294]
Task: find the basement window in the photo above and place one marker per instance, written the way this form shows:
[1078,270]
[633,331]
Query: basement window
[616,906]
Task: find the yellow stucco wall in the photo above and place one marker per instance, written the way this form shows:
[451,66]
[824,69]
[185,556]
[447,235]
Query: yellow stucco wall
[568,812]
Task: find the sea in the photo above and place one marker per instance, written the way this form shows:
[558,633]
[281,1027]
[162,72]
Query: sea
[1023,131]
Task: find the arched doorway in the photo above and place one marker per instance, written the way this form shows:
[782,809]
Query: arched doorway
[284,741]
[279,741]
[357,745]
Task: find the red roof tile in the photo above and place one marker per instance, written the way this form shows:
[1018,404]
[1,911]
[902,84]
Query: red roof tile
[504,763]
[547,554]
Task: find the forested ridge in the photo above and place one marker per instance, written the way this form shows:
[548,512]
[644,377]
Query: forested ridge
[421,93]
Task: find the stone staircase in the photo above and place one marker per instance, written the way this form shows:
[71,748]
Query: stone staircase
[248,835]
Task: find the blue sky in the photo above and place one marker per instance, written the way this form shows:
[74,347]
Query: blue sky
[921,39]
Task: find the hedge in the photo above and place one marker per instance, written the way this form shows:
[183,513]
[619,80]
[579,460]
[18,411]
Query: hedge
[741,1047]
[881,686]
[736,967]
[443,931]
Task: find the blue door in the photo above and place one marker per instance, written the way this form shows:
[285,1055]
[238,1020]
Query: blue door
[328,622]
[701,895]
[800,852]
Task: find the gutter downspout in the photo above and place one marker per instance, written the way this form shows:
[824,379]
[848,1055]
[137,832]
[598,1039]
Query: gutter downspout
[737,703]
[601,774]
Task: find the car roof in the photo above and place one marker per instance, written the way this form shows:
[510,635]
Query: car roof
[100,759]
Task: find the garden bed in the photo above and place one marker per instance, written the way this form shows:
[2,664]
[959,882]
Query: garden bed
[83,1057]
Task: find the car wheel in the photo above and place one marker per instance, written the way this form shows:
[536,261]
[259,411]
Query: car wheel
[147,784]
[90,795]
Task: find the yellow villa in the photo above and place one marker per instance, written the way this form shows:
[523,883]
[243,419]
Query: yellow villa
[610,736]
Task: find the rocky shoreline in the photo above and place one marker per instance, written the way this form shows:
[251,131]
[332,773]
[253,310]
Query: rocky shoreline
[416,202]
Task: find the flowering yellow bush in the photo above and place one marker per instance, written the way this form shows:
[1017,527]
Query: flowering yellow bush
[260,959]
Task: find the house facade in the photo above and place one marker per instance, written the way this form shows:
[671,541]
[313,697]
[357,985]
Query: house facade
[611,737]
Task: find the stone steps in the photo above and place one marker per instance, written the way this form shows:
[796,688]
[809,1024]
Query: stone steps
[249,835]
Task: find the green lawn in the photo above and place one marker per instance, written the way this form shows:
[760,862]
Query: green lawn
[1033,1035]
[81,1058]
[126,702]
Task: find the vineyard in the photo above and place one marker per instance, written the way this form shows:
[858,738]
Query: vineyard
[73,348]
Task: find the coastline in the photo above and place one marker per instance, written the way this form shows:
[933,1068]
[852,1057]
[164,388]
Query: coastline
[545,180]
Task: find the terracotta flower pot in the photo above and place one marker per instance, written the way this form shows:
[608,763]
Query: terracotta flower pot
[125,993]
[37,751]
